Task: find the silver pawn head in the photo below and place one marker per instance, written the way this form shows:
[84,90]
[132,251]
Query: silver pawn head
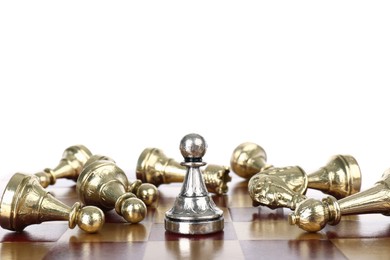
[193,147]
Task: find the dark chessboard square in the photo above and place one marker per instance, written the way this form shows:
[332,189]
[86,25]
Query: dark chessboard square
[111,232]
[246,214]
[104,250]
[158,233]
[272,230]
[193,249]
[45,232]
[290,249]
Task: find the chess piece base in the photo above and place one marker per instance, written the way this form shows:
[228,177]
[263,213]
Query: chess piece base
[194,216]
[194,227]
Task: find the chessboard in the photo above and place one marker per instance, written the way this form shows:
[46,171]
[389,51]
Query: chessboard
[249,233]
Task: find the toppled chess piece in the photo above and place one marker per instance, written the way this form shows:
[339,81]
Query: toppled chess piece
[194,212]
[340,177]
[273,192]
[103,184]
[25,202]
[70,166]
[248,159]
[312,215]
[284,187]
[155,167]
[146,192]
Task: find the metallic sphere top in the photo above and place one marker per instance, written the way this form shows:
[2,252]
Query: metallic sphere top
[193,146]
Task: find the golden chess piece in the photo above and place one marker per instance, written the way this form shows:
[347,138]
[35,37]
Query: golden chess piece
[312,215]
[103,184]
[70,166]
[26,202]
[273,192]
[248,159]
[284,187]
[155,167]
[340,177]
[146,192]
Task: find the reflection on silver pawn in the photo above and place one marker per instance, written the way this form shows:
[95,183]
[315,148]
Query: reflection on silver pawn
[194,212]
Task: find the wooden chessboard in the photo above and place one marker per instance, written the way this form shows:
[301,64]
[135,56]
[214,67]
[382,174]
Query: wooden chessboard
[250,233]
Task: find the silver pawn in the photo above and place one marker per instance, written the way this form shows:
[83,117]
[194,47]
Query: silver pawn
[194,212]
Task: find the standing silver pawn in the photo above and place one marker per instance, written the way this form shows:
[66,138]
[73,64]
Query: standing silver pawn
[194,212]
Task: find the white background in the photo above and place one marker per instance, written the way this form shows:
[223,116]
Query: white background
[304,79]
